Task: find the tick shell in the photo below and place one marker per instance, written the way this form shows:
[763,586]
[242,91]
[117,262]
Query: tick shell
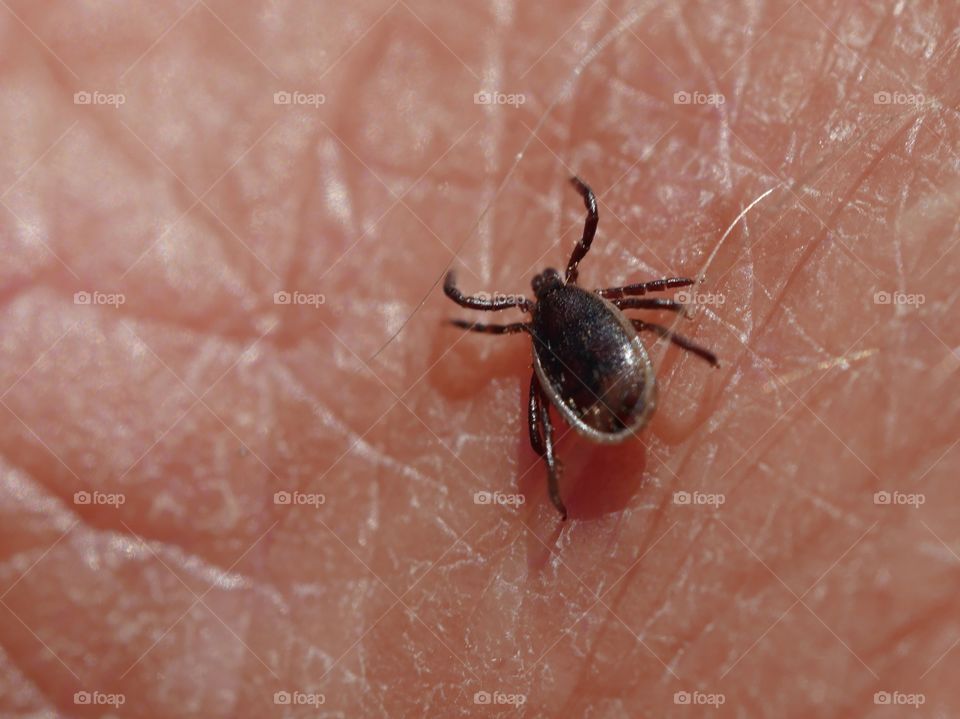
[592,365]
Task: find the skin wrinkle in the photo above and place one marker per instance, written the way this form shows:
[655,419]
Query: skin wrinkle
[682,466]
[666,587]
[706,72]
[760,453]
[197,565]
[356,440]
[189,563]
[301,239]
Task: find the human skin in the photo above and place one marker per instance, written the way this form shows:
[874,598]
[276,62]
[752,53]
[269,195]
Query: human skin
[199,397]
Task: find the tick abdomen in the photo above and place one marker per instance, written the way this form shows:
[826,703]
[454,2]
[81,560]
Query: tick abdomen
[589,354]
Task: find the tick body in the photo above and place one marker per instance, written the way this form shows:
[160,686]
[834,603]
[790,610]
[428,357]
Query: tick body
[588,359]
[591,363]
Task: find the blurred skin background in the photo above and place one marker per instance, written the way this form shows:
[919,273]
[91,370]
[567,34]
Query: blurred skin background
[220,503]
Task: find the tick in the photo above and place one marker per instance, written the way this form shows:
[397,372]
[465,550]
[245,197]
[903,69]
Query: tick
[588,360]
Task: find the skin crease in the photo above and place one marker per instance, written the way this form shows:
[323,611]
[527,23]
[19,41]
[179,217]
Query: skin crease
[199,397]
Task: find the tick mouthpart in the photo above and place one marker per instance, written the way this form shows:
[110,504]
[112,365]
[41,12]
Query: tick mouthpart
[547,280]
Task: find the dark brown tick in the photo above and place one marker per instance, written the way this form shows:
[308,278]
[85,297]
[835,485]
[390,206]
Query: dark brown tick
[588,360]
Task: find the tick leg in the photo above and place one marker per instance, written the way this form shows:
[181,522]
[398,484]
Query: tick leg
[648,303]
[539,417]
[678,340]
[492,329]
[533,418]
[642,288]
[480,302]
[589,228]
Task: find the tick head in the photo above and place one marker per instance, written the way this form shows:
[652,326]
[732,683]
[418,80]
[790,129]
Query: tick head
[546,281]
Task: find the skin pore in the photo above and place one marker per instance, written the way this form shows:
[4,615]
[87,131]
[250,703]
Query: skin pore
[347,155]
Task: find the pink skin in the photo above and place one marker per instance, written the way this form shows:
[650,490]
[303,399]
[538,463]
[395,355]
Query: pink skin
[199,398]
